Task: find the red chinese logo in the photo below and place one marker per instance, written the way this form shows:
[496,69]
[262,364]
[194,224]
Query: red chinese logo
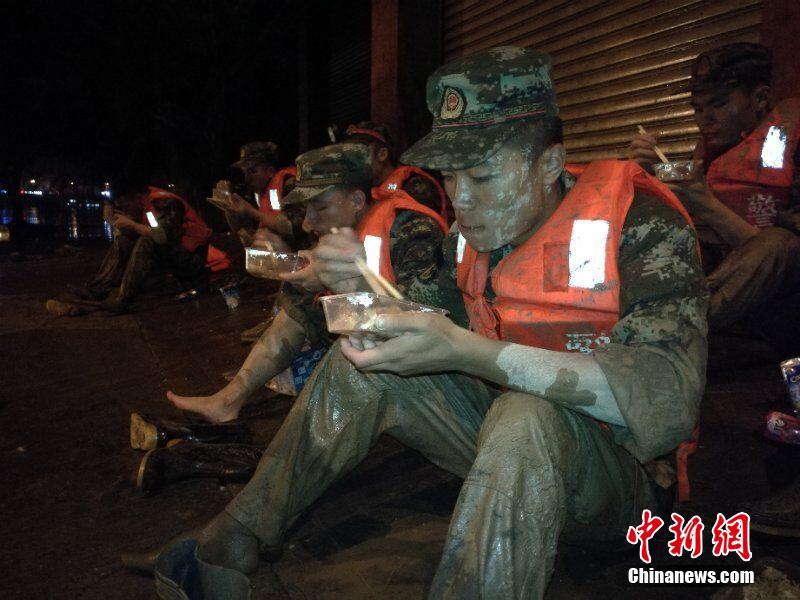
[727,536]
[686,535]
[732,535]
[641,534]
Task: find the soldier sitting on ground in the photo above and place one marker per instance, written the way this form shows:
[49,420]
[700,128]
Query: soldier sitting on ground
[166,235]
[745,203]
[585,356]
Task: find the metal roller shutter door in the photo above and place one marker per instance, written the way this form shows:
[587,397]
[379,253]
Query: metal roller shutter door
[617,63]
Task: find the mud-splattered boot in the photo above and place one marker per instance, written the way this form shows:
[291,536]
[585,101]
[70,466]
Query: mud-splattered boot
[187,460]
[148,433]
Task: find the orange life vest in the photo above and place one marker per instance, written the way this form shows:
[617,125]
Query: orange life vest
[195,231]
[374,228]
[754,177]
[394,183]
[270,202]
[559,290]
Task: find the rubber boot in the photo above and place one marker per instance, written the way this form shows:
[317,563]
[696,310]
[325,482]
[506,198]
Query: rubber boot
[189,460]
[148,433]
[182,575]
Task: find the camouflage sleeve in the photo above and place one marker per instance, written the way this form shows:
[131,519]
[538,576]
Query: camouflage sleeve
[301,306]
[415,248]
[442,290]
[656,361]
[423,191]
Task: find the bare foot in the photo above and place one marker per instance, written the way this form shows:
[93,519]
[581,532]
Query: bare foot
[214,409]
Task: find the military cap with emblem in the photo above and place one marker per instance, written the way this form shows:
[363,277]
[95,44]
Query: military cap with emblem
[324,168]
[479,102]
[256,153]
[731,66]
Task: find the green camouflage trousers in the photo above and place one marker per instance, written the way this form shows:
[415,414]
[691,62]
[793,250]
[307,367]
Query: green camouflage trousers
[532,470]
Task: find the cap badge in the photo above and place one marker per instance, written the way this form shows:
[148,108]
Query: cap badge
[453,104]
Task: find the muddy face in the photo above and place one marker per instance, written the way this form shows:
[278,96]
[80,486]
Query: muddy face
[725,117]
[499,201]
[335,207]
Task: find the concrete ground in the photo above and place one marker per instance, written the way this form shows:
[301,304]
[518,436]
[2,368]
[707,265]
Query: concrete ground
[68,508]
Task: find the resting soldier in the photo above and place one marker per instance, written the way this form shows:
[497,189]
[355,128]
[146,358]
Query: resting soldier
[258,162]
[388,176]
[746,204]
[166,235]
[584,359]
[333,186]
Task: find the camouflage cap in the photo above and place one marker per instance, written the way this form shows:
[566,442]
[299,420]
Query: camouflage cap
[321,169]
[478,102]
[257,153]
[730,66]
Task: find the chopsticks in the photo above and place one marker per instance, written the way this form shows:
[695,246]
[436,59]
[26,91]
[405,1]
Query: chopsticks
[377,282]
[661,155]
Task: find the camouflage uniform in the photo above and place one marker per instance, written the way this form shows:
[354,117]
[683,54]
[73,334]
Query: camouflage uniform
[534,469]
[132,260]
[419,188]
[415,240]
[415,247]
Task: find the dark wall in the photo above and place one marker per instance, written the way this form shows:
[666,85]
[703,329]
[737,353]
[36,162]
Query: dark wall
[165,88]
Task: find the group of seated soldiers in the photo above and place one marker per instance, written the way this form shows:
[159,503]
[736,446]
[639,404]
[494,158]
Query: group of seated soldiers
[573,357]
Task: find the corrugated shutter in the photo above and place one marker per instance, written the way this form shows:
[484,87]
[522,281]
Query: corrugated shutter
[617,63]
[348,25]
[350,83]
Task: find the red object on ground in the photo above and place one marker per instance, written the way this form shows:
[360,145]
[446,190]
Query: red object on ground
[782,428]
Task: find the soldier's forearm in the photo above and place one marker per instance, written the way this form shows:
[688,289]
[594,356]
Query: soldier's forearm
[572,380]
[729,226]
[272,353]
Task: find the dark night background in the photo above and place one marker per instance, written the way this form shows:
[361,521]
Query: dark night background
[163,89]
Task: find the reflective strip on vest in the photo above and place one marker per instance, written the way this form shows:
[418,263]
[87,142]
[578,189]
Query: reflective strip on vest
[372,246]
[462,244]
[273,200]
[587,253]
[258,200]
[774,148]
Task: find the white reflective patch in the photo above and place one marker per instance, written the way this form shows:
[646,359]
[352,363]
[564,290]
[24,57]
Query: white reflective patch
[151,218]
[372,246]
[587,253]
[462,244]
[391,187]
[774,148]
[273,200]
[258,200]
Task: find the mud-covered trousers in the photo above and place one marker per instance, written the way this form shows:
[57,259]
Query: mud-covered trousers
[133,260]
[532,470]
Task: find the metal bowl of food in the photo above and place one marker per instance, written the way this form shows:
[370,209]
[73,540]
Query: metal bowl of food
[679,170]
[356,312]
[269,264]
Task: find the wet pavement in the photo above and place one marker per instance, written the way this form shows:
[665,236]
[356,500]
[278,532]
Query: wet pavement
[69,509]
